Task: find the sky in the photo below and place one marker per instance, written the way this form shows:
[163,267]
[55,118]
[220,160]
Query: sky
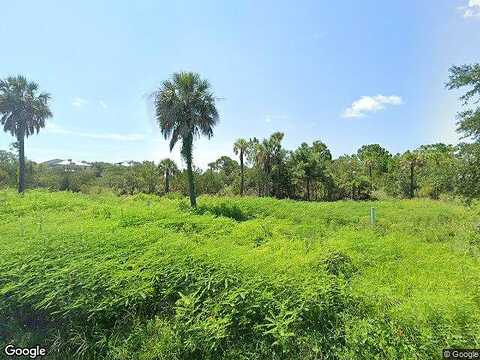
[347,73]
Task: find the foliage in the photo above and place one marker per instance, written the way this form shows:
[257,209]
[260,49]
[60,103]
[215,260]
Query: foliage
[23,111]
[467,76]
[169,169]
[350,183]
[185,108]
[309,164]
[142,277]
[468,180]
[375,159]
[240,148]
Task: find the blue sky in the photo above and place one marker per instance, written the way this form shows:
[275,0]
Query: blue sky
[345,72]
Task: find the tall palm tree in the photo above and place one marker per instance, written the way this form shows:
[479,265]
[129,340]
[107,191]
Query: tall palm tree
[169,168]
[268,155]
[240,147]
[23,111]
[185,108]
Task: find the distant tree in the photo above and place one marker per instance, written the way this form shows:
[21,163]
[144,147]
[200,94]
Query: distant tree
[348,178]
[8,165]
[254,158]
[211,181]
[224,164]
[23,111]
[468,173]
[374,158]
[169,168]
[223,172]
[438,172]
[270,157]
[412,160]
[270,171]
[185,108]
[148,174]
[240,148]
[469,120]
[309,163]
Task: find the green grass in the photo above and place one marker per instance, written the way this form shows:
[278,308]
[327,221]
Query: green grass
[144,277]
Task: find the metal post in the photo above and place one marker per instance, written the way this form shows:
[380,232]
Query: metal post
[373,215]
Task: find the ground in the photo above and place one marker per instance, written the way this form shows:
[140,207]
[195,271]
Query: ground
[145,277]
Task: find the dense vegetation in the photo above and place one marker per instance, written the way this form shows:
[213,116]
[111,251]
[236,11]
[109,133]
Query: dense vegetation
[95,275]
[185,108]
[308,173]
[144,277]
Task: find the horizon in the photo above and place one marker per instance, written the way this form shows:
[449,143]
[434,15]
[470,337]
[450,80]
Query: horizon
[347,74]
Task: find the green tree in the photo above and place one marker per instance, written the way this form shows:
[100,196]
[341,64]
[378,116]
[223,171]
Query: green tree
[309,164]
[468,172]
[240,147]
[269,161]
[374,158]
[148,174]
[168,168]
[254,158]
[23,111]
[210,182]
[270,156]
[185,108]
[467,76]
[411,160]
[8,165]
[438,172]
[224,164]
[348,178]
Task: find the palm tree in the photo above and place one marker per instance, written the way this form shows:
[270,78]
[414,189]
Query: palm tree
[239,148]
[169,168]
[269,154]
[412,160]
[185,108]
[23,111]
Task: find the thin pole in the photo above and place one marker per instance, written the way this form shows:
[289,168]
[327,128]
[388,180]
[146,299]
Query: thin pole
[373,216]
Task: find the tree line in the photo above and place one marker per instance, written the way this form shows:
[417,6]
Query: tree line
[306,173]
[185,109]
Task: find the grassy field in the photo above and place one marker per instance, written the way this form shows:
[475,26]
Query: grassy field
[144,277]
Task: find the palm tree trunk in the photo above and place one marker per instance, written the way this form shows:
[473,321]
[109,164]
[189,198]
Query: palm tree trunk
[242,180]
[191,184]
[308,189]
[187,155]
[21,161]
[167,181]
[411,180]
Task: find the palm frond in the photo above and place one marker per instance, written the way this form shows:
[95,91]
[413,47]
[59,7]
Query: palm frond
[184,107]
[23,111]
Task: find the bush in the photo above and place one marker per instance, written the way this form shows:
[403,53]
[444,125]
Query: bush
[139,277]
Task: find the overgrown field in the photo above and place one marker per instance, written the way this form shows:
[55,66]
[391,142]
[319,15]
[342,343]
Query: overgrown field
[144,277]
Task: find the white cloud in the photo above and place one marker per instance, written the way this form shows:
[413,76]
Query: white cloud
[102,104]
[56,129]
[79,102]
[366,104]
[472,9]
